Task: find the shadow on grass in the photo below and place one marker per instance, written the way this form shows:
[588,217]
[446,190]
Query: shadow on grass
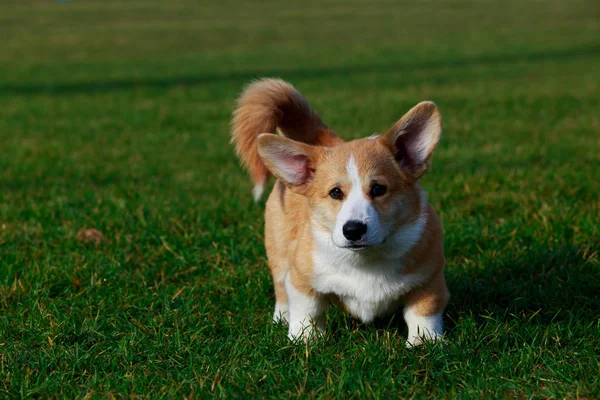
[551,284]
[241,77]
[554,283]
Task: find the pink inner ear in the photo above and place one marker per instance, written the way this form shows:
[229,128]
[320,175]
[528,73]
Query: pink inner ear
[294,168]
[411,144]
[298,165]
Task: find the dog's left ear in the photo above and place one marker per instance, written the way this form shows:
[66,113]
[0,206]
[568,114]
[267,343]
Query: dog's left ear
[414,137]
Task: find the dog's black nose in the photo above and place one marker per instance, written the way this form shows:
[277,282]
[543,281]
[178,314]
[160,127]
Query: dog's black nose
[354,230]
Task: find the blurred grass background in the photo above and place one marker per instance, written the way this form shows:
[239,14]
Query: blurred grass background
[114,115]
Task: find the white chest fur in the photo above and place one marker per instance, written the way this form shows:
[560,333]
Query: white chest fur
[370,285]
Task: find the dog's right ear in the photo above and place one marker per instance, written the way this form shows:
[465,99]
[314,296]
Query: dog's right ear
[291,161]
[414,137]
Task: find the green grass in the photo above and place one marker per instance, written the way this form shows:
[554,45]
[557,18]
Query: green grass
[114,115]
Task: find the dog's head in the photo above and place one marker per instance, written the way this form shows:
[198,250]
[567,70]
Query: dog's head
[363,191]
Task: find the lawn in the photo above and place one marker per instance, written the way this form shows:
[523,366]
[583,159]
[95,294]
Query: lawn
[114,115]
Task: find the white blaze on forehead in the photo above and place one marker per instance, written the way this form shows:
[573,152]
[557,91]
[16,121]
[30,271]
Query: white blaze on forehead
[356,207]
[353,174]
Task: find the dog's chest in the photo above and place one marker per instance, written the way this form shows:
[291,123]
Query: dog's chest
[368,289]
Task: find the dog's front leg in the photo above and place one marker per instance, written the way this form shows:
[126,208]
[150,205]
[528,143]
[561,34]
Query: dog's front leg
[306,309]
[422,328]
[424,310]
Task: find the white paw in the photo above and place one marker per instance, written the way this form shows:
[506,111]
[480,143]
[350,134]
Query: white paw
[422,328]
[281,314]
[414,341]
[304,331]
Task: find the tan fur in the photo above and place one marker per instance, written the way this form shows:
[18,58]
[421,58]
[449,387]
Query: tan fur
[293,211]
[266,105]
[431,298]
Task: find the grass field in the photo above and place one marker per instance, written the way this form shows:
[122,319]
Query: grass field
[114,115]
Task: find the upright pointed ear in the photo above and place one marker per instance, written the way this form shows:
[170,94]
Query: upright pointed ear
[414,137]
[291,161]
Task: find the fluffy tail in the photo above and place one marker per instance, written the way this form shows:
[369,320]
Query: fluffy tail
[267,105]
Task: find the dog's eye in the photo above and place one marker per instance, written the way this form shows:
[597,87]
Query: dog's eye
[336,193]
[378,190]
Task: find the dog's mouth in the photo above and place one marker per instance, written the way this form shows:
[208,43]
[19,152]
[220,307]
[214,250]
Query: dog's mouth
[361,246]
[357,247]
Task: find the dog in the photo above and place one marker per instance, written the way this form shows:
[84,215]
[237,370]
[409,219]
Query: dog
[346,221]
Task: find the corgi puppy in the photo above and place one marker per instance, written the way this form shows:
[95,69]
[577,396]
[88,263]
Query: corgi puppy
[346,221]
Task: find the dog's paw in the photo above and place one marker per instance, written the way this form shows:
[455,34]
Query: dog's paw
[281,314]
[426,338]
[304,333]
